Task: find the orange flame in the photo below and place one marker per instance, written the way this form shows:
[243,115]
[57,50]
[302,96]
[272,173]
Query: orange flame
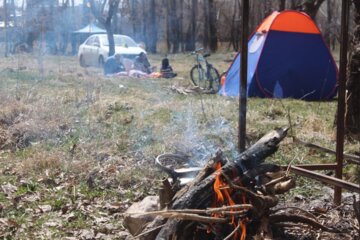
[243,229]
[218,184]
[223,196]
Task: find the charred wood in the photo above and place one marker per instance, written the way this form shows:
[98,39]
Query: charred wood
[198,195]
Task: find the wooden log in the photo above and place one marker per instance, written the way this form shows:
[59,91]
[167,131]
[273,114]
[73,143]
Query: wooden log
[199,195]
[152,229]
[283,187]
[165,193]
[204,173]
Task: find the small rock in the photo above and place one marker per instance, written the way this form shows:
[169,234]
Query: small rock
[135,223]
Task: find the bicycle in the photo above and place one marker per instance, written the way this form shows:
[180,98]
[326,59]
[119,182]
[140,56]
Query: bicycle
[205,77]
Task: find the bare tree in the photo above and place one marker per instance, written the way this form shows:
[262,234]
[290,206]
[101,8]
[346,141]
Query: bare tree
[105,18]
[212,26]
[293,4]
[191,33]
[311,7]
[206,24]
[235,26]
[329,18]
[352,114]
[173,26]
[282,4]
[152,40]
[135,20]
[5,27]
[181,23]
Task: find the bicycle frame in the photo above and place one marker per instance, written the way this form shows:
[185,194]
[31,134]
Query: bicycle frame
[200,58]
[203,70]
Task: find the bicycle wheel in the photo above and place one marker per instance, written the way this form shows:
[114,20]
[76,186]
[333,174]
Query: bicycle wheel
[197,75]
[214,79]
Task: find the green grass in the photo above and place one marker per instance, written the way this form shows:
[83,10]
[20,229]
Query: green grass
[81,122]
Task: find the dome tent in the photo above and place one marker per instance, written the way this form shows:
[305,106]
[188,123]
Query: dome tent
[90,29]
[287,58]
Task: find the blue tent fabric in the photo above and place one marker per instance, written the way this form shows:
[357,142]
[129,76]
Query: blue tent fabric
[285,65]
[90,29]
[301,69]
[231,87]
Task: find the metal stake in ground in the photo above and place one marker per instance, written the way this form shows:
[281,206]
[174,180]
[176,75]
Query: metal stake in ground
[341,98]
[243,76]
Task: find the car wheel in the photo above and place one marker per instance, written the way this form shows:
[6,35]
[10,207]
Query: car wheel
[82,61]
[101,61]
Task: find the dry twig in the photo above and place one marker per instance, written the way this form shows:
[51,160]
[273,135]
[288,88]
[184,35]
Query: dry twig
[296,208]
[185,216]
[278,218]
[148,231]
[234,231]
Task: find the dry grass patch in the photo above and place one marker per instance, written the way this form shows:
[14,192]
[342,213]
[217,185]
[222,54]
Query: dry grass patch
[39,161]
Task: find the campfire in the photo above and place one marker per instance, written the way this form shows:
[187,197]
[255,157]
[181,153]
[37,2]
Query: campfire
[226,199]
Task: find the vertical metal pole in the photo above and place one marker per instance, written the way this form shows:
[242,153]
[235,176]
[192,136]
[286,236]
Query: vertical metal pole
[341,97]
[243,75]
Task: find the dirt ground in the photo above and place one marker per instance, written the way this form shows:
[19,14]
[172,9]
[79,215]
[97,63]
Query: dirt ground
[77,148]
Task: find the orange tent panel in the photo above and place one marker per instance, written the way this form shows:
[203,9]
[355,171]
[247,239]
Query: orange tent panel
[289,21]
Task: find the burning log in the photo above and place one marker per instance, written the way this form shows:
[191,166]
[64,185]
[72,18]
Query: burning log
[227,197]
[198,195]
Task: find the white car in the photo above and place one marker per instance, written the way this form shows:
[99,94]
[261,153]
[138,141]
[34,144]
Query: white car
[95,49]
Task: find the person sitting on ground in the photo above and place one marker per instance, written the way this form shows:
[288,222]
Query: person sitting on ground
[113,65]
[166,70]
[142,64]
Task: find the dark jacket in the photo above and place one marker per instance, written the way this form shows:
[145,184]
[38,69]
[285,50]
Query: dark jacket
[141,63]
[166,70]
[112,66]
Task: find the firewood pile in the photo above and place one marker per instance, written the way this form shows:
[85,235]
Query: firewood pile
[225,199]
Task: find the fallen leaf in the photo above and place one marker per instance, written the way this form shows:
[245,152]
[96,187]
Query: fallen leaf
[45,208]
[101,220]
[52,224]
[8,188]
[70,217]
[87,234]
[320,210]
[31,198]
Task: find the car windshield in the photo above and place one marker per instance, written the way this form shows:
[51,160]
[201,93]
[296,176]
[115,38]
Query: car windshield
[120,41]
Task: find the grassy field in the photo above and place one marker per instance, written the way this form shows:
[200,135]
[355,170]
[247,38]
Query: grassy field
[77,148]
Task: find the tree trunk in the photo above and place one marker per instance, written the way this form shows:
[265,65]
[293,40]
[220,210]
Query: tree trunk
[293,4]
[191,33]
[311,7]
[145,20]
[268,7]
[212,26]
[86,13]
[235,27]
[110,36]
[206,24]
[115,25]
[5,27]
[173,27]
[134,17]
[282,4]
[352,114]
[32,23]
[152,27]
[106,22]
[181,24]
